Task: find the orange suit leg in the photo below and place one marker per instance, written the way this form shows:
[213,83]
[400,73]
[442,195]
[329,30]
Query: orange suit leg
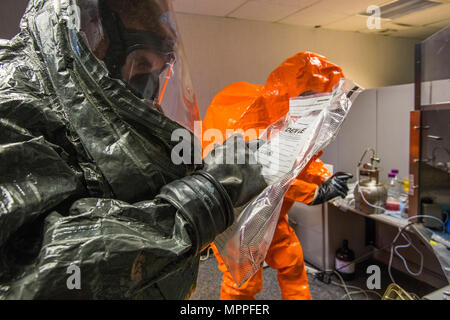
[229,290]
[286,255]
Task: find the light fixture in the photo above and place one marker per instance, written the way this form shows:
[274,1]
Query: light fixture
[402,8]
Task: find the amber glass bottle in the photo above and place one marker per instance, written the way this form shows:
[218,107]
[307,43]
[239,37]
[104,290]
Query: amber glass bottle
[345,262]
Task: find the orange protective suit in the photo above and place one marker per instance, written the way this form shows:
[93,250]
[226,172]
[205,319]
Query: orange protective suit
[244,106]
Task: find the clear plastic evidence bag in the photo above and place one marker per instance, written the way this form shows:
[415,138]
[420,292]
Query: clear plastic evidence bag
[312,123]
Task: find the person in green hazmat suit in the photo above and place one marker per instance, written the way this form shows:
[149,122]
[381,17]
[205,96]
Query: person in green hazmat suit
[91,93]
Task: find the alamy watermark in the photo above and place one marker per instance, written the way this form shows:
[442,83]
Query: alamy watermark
[193,147]
[74,280]
[374,20]
[374,279]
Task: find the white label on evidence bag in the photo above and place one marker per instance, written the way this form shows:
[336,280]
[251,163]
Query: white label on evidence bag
[297,106]
[279,154]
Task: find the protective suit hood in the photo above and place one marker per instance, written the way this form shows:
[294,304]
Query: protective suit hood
[102,110]
[57,26]
[84,167]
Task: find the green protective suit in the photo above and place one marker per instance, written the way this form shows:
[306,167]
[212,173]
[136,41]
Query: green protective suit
[86,178]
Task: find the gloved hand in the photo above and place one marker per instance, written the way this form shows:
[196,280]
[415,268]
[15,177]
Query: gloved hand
[209,198]
[332,188]
[234,166]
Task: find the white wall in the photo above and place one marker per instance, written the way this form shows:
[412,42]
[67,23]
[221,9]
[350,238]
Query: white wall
[394,106]
[380,118]
[10,13]
[221,51]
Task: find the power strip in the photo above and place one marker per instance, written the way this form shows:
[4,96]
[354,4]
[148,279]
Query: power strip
[324,277]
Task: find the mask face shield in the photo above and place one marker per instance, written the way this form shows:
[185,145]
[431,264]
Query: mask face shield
[139,43]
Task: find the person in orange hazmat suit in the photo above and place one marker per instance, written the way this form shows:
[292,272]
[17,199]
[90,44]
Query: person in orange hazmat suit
[244,106]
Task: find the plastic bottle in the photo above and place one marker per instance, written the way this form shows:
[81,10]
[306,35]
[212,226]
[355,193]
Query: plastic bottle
[345,262]
[393,186]
[393,200]
[404,199]
[397,180]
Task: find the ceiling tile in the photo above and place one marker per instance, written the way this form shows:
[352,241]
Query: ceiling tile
[398,27]
[351,7]
[359,24]
[291,3]
[207,7]
[415,33]
[441,24]
[314,15]
[353,23]
[329,14]
[394,30]
[266,10]
[387,27]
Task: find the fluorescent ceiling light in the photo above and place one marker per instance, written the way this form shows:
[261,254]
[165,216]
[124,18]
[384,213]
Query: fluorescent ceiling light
[402,8]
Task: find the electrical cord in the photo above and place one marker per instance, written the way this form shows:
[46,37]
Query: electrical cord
[392,245]
[207,254]
[362,195]
[321,274]
[361,258]
[367,202]
[400,233]
[393,249]
[391,256]
[365,292]
[349,293]
[409,244]
[429,217]
[344,284]
[354,292]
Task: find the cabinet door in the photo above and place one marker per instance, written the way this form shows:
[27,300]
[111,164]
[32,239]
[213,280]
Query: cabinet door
[435,157]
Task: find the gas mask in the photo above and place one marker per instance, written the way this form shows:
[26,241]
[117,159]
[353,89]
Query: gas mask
[138,42]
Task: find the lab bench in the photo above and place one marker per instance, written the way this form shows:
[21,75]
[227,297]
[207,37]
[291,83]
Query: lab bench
[321,230]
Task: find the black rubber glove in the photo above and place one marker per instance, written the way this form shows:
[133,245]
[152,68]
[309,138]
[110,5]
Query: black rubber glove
[234,166]
[332,188]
